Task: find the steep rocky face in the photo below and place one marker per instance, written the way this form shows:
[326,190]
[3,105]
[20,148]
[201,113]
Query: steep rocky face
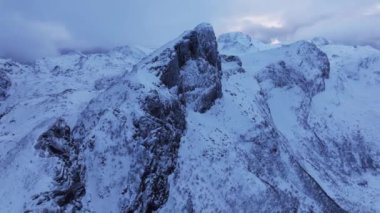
[160,131]
[192,65]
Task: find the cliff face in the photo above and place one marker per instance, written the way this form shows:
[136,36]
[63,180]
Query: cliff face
[192,65]
[186,129]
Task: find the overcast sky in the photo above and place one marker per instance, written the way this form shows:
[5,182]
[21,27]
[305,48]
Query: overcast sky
[32,29]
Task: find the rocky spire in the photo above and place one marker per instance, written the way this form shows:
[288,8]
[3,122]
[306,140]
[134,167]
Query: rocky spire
[192,64]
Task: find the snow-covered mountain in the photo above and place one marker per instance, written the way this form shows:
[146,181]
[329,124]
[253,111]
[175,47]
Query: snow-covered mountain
[199,125]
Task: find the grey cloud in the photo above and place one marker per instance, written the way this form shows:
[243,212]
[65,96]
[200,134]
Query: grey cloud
[353,30]
[24,40]
[283,33]
[348,22]
[32,29]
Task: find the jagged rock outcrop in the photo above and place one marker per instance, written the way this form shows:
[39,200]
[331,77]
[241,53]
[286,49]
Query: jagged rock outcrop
[192,65]
[69,186]
[160,131]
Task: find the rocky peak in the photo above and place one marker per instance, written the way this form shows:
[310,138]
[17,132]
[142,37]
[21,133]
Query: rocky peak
[192,65]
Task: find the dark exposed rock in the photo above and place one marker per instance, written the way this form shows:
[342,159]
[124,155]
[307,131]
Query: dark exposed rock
[232,65]
[56,141]
[69,180]
[232,58]
[5,84]
[161,131]
[200,85]
[193,65]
